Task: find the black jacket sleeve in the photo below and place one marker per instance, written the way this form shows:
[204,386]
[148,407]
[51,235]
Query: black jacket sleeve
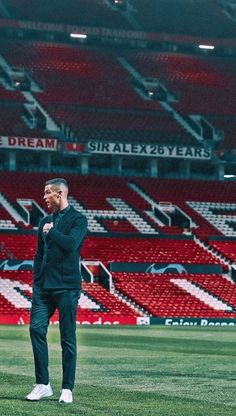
[72,240]
[39,254]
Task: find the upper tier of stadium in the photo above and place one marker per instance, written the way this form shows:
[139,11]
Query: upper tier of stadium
[209,18]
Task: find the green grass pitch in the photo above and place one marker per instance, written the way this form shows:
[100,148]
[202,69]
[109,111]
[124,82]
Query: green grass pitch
[127,371]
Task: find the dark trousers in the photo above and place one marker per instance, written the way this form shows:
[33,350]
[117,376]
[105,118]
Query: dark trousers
[44,304]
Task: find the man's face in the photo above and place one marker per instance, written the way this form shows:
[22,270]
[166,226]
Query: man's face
[52,197]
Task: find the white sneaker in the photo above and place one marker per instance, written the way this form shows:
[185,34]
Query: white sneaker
[39,392]
[66,396]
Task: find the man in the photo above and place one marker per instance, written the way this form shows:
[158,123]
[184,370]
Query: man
[57,284]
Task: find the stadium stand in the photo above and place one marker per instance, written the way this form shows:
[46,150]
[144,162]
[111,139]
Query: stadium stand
[70,12]
[74,83]
[198,17]
[69,75]
[95,302]
[146,250]
[184,191]
[226,248]
[94,195]
[162,294]
[205,77]
[156,15]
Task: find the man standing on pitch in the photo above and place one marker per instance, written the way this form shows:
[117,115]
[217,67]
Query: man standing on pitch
[57,284]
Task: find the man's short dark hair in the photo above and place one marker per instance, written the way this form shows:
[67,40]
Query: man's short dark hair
[57,182]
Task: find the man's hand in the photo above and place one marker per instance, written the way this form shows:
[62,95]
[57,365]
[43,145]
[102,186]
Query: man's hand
[47,227]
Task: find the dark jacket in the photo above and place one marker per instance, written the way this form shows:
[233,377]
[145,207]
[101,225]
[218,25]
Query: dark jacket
[57,258]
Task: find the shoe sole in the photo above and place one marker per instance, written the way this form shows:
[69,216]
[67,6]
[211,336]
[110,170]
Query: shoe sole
[62,402]
[37,400]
